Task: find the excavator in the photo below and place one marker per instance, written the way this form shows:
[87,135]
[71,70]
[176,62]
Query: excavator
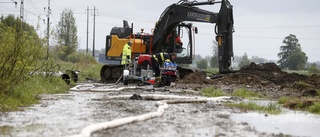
[176,18]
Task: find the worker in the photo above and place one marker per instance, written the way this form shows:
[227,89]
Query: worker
[126,54]
[176,38]
[157,61]
[175,41]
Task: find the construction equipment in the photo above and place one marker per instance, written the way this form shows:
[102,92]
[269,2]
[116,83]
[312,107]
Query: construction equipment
[175,18]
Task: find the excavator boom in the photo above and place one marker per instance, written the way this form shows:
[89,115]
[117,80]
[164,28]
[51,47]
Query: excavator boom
[184,11]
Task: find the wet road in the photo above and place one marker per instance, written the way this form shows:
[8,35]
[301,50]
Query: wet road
[67,114]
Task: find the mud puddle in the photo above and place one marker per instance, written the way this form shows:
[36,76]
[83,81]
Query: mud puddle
[57,115]
[67,114]
[293,123]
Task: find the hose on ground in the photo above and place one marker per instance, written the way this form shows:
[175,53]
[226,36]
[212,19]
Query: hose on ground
[162,105]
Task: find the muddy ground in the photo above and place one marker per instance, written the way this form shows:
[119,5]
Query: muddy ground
[67,114]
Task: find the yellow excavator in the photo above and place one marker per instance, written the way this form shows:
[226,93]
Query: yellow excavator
[177,18]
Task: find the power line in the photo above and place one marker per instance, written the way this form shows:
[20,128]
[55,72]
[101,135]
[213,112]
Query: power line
[34,6]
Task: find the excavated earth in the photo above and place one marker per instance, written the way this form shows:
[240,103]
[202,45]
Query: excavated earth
[267,79]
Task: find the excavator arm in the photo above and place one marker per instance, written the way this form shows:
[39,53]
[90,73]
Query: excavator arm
[189,11]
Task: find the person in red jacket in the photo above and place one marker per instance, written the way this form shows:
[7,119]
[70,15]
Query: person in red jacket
[173,41]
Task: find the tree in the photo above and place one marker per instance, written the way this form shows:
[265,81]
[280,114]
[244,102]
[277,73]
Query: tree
[66,34]
[245,61]
[291,55]
[313,69]
[257,59]
[202,64]
[214,61]
[21,52]
[196,59]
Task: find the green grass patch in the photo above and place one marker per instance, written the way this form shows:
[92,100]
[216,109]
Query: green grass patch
[304,84]
[212,71]
[315,108]
[93,72]
[283,100]
[87,70]
[250,106]
[27,93]
[242,92]
[212,92]
[311,105]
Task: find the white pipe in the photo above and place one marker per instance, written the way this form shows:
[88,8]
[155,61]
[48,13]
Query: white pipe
[162,105]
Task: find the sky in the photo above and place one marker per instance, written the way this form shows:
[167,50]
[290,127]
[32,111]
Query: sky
[260,26]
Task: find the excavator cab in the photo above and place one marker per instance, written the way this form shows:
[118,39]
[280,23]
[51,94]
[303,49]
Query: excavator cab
[180,40]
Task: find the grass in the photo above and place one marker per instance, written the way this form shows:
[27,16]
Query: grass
[315,108]
[212,71]
[311,105]
[212,92]
[271,108]
[27,93]
[244,93]
[283,100]
[93,72]
[304,84]
[87,70]
[241,92]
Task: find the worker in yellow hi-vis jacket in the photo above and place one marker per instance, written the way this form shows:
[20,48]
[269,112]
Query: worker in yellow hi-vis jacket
[126,54]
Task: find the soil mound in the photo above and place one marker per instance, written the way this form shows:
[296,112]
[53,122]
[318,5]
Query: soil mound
[262,76]
[197,77]
[271,72]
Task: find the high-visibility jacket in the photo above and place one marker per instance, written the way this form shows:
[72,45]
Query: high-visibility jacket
[161,57]
[126,54]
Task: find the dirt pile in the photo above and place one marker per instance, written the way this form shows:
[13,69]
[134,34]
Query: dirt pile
[195,78]
[273,73]
[266,76]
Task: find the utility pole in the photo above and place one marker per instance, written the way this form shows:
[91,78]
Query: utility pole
[21,11]
[48,28]
[94,25]
[94,29]
[87,27]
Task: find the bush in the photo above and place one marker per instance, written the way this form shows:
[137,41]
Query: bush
[21,53]
[80,57]
[313,70]
[202,64]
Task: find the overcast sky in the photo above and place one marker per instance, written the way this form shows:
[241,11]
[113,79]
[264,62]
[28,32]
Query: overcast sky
[260,26]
